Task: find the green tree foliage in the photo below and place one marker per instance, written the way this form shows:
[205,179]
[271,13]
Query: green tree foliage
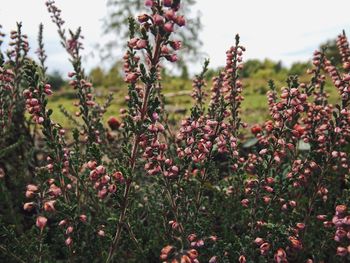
[332,51]
[97,76]
[299,68]
[112,78]
[56,81]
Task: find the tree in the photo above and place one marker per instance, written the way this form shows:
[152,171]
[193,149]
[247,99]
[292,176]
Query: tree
[56,81]
[97,76]
[299,68]
[120,11]
[332,51]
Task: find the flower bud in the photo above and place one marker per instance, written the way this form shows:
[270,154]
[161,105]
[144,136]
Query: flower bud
[242,259]
[49,206]
[101,233]
[149,3]
[83,218]
[340,209]
[32,187]
[68,241]
[141,44]
[167,3]
[169,27]
[41,222]
[28,206]
[158,19]
[180,21]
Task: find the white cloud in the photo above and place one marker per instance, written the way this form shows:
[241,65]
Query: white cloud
[279,29]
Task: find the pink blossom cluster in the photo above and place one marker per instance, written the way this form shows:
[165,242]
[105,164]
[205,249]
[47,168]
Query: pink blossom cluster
[169,254]
[34,102]
[341,221]
[55,13]
[103,182]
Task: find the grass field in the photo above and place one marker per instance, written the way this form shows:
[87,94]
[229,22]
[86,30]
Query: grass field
[178,97]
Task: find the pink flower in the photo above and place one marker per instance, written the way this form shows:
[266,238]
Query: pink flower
[91,165]
[119,177]
[170,14]
[180,20]
[340,209]
[167,3]
[172,58]
[100,169]
[83,218]
[242,259]
[112,188]
[68,241]
[169,27]
[280,256]
[245,202]
[49,206]
[2,173]
[141,44]
[143,18]
[101,233]
[28,206]
[55,190]
[258,241]
[30,194]
[41,222]
[158,19]
[69,230]
[62,222]
[132,42]
[32,187]
[342,251]
[176,45]
[149,3]
[165,50]
[131,77]
[264,248]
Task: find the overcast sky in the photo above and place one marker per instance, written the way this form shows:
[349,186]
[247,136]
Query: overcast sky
[286,30]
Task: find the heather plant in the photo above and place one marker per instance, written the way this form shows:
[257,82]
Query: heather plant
[17,140]
[141,190]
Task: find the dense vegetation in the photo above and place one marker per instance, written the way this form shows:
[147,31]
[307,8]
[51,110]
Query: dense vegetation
[152,183]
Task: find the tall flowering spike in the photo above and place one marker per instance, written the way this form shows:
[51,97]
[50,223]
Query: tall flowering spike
[198,86]
[344,50]
[55,13]
[232,84]
[41,50]
[153,41]
[89,110]
[216,89]
[35,97]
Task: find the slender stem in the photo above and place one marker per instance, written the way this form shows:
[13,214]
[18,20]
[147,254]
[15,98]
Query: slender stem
[154,59]
[41,245]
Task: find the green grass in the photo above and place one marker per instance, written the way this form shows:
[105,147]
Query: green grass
[178,96]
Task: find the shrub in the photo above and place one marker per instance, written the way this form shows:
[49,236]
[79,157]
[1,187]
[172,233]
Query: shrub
[139,189]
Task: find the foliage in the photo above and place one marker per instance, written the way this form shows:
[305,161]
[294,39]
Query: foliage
[55,80]
[141,190]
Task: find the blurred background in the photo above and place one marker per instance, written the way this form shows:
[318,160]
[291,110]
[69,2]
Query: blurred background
[280,37]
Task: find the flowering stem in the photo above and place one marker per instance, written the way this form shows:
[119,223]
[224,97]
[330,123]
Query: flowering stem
[133,158]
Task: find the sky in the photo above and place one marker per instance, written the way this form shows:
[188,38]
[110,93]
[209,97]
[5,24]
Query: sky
[282,30]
